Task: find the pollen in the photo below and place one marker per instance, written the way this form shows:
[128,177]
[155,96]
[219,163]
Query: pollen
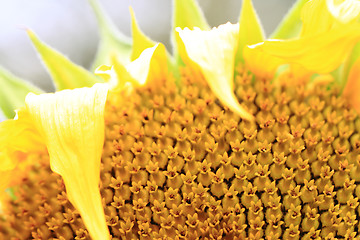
[177,164]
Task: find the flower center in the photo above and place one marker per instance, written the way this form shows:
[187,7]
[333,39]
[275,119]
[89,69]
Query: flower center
[175,160]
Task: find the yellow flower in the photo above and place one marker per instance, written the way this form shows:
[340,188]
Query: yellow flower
[217,141]
[327,37]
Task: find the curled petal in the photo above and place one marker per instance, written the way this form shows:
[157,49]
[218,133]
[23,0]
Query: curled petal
[16,135]
[351,90]
[323,45]
[20,134]
[321,54]
[254,59]
[13,165]
[71,123]
[322,15]
[344,11]
[316,18]
[150,66]
[105,72]
[214,53]
[118,78]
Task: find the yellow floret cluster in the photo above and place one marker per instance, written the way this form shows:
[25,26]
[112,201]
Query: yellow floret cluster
[177,164]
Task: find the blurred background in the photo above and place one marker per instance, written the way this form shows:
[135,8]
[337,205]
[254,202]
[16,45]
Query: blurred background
[70,27]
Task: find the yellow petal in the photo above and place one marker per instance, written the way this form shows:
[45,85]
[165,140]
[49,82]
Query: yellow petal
[72,125]
[16,135]
[319,16]
[323,45]
[344,11]
[118,78]
[214,53]
[321,54]
[351,90]
[254,59]
[150,66]
[20,134]
[105,72]
[140,40]
[316,18]
[13,165]
[250,29]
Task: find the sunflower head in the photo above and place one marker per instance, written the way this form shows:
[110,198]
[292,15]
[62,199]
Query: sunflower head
[232,137]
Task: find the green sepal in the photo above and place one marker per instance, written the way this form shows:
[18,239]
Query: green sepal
[186,13]
[140,41]
[250,28]
[65,74]
[345,70]
[291,24]
[13,92]
[112,41]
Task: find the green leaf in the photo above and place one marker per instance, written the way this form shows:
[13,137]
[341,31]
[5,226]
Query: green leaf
[291,24]
[140,40]
[112,42]
[65,74]
[13,92]
[250,29]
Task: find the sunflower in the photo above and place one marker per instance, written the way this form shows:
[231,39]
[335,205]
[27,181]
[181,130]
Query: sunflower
[235,136]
